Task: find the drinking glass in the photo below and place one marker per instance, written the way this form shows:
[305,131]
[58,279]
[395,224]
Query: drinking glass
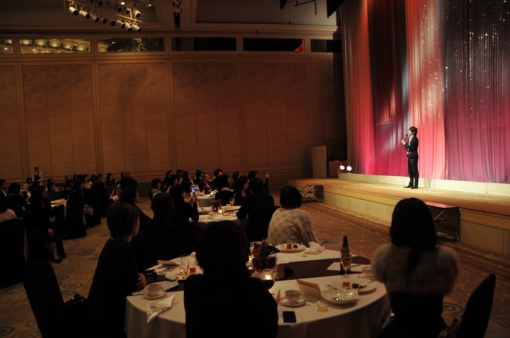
[232,201]
[267,278]
[185,263]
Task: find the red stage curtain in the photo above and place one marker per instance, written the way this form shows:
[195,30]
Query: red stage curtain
[477,94]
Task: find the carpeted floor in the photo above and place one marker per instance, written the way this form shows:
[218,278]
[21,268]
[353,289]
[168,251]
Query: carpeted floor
[75,273]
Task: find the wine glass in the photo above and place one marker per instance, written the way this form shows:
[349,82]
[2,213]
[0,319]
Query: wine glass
[267,278]
[185,263]
[232,201]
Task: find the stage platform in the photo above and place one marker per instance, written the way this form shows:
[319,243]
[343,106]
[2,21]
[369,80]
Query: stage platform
[484,207]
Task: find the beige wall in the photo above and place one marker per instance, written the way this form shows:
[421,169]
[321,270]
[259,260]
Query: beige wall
[147,113]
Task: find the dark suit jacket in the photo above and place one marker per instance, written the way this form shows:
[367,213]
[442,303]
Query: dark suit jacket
[412,147]
[224,196]
[260,208]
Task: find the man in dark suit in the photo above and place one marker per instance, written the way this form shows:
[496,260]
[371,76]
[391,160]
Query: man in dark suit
[412,157]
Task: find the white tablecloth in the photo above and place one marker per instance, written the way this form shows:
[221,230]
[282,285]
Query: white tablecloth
[360,319]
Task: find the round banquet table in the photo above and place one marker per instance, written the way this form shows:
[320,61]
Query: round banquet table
[229,214]
[359,319]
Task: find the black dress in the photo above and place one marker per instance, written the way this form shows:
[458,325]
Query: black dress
[115,278]
[229,306]
[17,203]
[224,196]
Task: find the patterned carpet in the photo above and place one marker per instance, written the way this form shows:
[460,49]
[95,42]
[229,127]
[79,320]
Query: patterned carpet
[75,273]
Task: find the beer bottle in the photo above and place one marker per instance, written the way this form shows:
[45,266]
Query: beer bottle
[345,256]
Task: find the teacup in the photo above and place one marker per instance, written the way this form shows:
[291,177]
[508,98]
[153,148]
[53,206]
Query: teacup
[154,289]
[367,271]
[292,296]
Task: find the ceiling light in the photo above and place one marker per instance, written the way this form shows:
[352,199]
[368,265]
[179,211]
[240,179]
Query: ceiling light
[104,11]
[137,13]
[113,23]
[85,14]
[135,28]
[342,167]
[122,3]
[349,168]
[73,10]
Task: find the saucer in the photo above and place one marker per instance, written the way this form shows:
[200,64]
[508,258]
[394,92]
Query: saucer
[300,302]
[161,294]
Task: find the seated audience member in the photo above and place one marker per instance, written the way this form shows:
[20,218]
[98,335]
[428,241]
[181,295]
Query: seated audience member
[111,184]
[205,184]
[167,181]
[289,223]
[68,189]
[130,195]
[116,275]
[40,232]
[185,176]
[28,184]
[76,204]
[254,173]
[127,181]
[224,194]
[50,181]
[15,201]
[156,187]
[198,177]
[38,176]
[259,207]
[415,271]
[87,180]
[4,187]
[225,299]
[5,212]
[185,207]
[161,238]
[101,198]
[235,176]
[241,190]
[52,191]
[216,182]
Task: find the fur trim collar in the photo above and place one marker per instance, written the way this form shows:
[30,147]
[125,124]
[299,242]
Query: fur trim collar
[435,274]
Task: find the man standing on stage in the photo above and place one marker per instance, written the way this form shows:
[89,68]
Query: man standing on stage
[412,157]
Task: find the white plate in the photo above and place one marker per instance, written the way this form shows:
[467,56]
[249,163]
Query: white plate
[370,284]
[161,294]
[283,248]
[300,302]
[339,296]
[175,276]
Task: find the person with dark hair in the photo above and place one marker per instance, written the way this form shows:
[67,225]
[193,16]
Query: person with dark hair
[156,187]
[235,176]
[176,179]
[167,181]
[186,208]
[161,239]
[225,290]
[259,208]
[28,184]
[415,271]
[241,190]
[205,185]
[39,229]
[216,182]
[87,180]
[76,204]
[185,176]
[198,177]
[224,194]
[111,184]
[130,195]
[254,173]
[38,176]
[68,189]
[52,191]
[411,147]
[4,187]
[290,224]
[6,213]
[116,274]
[15,201]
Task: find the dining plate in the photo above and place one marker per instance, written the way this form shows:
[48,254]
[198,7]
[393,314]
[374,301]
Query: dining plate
[161,294]
[283,247]
[339,296]
[176,276]
[300,302]
[370,284]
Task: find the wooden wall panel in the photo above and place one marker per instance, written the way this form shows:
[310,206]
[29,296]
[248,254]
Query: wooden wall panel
[207,115]
[59,118]
[133,104]
[10,166]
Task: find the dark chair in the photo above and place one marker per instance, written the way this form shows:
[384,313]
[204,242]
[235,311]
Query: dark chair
[478,310]
[12,256]
[44,296]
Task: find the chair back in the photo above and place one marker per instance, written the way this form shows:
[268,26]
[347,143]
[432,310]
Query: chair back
[44,296]
[12,255]
[478,310]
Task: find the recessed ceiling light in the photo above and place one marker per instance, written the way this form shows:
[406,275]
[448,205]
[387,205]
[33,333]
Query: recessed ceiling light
[122,3]
[149,5]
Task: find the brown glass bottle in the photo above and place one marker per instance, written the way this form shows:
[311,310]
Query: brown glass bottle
[345,257]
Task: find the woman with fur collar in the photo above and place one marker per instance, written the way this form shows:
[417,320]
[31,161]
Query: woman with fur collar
[415,271]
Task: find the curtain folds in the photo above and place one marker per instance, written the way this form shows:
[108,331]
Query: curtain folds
[440,65]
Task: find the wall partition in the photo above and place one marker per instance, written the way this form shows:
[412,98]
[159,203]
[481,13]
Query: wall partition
[151,104]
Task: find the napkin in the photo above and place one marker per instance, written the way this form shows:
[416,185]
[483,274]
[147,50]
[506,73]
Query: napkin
[314,249]
[158,307]
[311,289]
[168,263]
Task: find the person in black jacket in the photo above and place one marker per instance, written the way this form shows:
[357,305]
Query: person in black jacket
[259,206]
[39,229]
[116,275]
[412,157]
[224,194]
[130,195]
[254,173]
[15,201]
[225,300]
[241,190]
[187,208]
